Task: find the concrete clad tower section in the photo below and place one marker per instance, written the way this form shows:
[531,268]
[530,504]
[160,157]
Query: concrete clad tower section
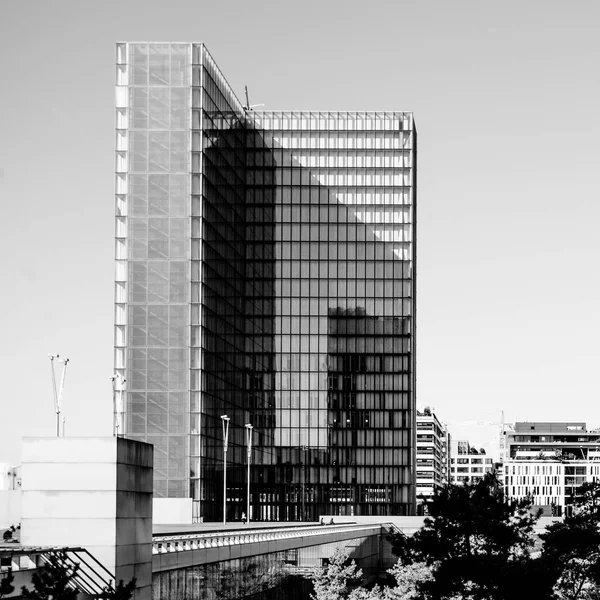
[94,493]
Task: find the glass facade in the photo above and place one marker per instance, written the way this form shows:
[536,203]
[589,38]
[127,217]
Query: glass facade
[267,576]
[262,577]
[265,270]
[153,253]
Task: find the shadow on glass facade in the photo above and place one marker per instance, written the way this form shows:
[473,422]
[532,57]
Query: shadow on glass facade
[266,271]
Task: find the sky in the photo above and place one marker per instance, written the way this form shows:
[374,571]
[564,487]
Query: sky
[505,97]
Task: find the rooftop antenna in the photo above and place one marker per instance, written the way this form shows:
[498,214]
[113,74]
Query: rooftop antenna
[118,385]
[248,106]
[58,394]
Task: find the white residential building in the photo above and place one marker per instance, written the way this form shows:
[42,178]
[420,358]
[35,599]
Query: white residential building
[467,464]
[549,461]
[433,445]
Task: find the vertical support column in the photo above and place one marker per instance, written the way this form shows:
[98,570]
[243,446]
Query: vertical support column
[121,214]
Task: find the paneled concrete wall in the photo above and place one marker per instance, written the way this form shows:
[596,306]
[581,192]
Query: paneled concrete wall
[95,493]
[133,552]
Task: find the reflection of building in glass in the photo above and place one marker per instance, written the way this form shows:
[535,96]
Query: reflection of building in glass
[265,270]
[433,454]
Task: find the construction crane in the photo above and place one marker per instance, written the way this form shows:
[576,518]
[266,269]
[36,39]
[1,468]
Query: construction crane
[118,386]
[58,393]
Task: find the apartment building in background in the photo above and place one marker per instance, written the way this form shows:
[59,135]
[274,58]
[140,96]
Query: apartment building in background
[265,276]
[549,461]
[467,463]
[433,454]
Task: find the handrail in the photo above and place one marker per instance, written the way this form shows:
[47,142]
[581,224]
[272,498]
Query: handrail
[92,576]
[90,579]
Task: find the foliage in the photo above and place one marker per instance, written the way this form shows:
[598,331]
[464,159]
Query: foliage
[54,581]
[362,593]
[120,592]
[571,548]
[477,545]
[587,500]
[477,542]
[577,580]
[331,582]
[410,579]
[6,583]
[8,535]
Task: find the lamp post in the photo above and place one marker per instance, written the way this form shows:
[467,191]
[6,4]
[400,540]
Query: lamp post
[249,459]
[225,422]
[303,478]
[58,393]
[118,385]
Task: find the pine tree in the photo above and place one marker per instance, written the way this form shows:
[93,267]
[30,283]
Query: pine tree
[54,581]
[478,543]
[6,583]
[331,582]
[571,548]
[120,592]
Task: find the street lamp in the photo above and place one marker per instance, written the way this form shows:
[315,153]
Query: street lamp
[58,393]
[225,422]
[118,385]
[303,478]
[249,457]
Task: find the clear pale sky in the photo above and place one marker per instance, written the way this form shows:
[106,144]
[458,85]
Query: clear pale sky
[506,98]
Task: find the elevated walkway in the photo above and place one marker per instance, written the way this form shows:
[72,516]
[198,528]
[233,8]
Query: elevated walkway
[194,545]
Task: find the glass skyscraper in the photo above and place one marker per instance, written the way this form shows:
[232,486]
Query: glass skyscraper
[265,271]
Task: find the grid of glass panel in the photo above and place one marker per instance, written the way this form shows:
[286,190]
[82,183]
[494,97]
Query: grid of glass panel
[344,312]
[265,270]
[153,345]
[189,262]
[222,314]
